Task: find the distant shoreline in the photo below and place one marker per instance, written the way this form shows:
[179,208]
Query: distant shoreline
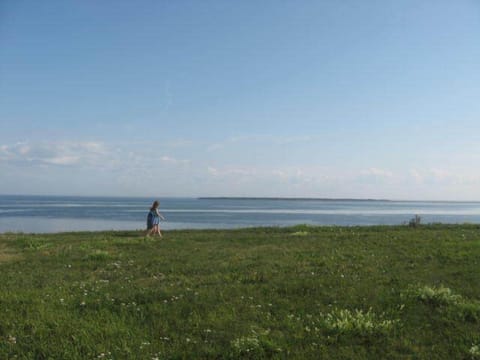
[286,198]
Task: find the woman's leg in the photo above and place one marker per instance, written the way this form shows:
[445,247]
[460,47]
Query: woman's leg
[150,229]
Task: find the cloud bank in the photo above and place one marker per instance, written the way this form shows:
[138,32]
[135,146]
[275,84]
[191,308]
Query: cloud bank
[189,168]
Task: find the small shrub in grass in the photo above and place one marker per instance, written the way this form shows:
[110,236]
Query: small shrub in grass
[246,344]
[255,345]
[436,296]
[357,322]
[35,244]
[469,311]
[445,299]
[474,352]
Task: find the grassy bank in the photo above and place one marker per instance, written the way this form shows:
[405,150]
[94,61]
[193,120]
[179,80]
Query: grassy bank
[286,293]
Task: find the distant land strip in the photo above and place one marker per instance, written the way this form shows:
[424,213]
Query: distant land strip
[284,198]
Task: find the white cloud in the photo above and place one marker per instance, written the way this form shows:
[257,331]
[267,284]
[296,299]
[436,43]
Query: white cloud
[297,175]
[212,171]
[54,153]
[62,160]
[443,177]
[416,175]
[228,172]
[288,177]
[171,160]
[376,172]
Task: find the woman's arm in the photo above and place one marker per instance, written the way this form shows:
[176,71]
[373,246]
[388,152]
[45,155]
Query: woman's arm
[160,215]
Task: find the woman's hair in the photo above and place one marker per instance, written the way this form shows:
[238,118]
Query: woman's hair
[154,205]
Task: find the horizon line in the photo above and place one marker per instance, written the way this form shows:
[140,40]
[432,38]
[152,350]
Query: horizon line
[293,198]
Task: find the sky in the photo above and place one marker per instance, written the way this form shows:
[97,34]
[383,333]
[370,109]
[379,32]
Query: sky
[333,99]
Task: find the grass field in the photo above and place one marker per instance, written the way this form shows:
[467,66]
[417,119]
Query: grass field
[287,293]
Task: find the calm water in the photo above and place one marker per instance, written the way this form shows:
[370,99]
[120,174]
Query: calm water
[56,214]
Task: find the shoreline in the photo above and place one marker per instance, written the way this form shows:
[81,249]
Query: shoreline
[249,229]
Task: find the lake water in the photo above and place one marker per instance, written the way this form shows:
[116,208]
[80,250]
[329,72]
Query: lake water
[68,213]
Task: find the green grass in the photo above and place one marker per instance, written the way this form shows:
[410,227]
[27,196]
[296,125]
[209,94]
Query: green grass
[287,293]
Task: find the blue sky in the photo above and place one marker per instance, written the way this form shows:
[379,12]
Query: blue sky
[364,99]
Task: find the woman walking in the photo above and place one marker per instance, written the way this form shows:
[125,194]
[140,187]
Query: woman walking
[153,220]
